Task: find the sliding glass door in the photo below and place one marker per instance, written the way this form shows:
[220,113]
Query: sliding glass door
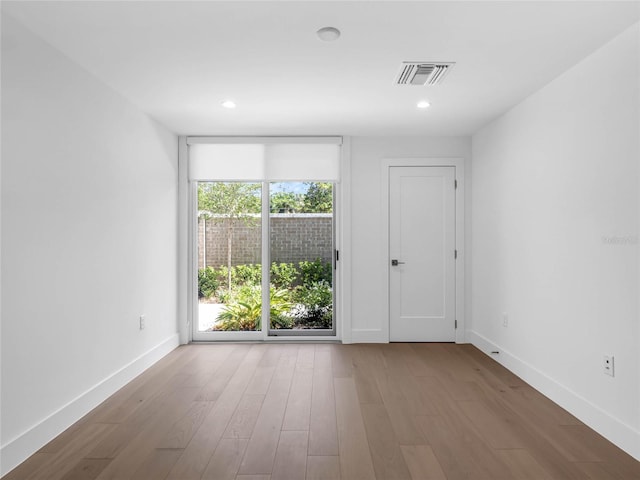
[229,233]
[298,285]
[301,249]
[263,230]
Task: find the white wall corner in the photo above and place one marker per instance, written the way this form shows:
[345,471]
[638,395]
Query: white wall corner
[613,429]
[18,449]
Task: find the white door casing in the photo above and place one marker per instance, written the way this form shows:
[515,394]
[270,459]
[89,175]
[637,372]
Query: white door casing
[422,239]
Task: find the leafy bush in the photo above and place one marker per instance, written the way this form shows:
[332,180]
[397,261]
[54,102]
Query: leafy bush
[300,297]
[316,271]
[213,281]
[244,312]
[240,316]
[225,296]
[208,282]
[222,276]
[248,274]
[283,275]
[280,307]
[315,305]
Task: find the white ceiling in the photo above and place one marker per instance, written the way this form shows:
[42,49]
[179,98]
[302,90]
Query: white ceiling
[179,60]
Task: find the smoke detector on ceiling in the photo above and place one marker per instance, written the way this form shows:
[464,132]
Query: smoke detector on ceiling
[423,73]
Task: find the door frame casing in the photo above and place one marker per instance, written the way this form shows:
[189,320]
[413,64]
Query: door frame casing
[385,258]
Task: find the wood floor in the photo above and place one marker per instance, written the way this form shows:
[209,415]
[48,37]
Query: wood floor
[328,411]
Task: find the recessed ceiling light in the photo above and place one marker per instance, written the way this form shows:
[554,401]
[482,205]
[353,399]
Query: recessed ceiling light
[228,104]
[423,104]
[328,34]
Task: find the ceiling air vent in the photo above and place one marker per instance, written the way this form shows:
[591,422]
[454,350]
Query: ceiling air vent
[423,73]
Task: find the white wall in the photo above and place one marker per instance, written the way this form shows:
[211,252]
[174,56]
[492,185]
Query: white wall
[555,239]
[88,242]
[367,280]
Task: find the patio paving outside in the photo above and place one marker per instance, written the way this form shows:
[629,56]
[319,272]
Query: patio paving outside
[207,314]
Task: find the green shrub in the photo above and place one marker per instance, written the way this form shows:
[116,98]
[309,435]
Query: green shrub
[247,274]
[208,282]
[315,305]
[239,316]
[244,310]
[316,271]
[225,296]
[283,275]
[280,311]
[222,276]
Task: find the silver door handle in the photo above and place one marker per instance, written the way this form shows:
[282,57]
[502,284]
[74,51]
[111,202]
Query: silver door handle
[395,263]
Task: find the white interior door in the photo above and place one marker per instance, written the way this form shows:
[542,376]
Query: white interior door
[422,254]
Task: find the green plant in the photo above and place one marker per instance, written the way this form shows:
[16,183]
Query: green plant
[285,202]
[315,305]
[315,271]
[319,197]
[241,275]
[225,296]
[223,275]
[239,316]
[280,310]
[280,300]
[208,282]
[231,204]
[283,275]
[247,274]
[244,311]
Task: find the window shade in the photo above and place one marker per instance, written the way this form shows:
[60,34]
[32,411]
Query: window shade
[265,161]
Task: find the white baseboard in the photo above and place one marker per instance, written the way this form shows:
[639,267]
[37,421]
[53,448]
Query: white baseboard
[14,452]
[368,336]
[602,422]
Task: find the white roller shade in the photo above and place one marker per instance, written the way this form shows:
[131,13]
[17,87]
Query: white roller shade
[302,162]
[226,162]
[271,161]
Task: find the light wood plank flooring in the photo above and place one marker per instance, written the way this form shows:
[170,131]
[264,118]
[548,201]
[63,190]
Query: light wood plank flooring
[328,411]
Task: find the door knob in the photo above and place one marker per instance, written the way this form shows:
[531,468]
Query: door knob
[395,263]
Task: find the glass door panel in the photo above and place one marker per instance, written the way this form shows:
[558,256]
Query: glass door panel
[229,259]
[301,233]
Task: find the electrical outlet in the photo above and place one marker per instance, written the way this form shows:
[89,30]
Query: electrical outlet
[608,365]
[505,319]
[142,322]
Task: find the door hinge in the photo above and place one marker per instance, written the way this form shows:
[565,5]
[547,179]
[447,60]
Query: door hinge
[336,258]
[455,254]
[456,324]
[455,184]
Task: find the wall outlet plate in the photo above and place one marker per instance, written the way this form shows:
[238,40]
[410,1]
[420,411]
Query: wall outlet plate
[142,322]
[505,319]
[608,365]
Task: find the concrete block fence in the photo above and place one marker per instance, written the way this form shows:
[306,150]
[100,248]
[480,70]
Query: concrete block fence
[294,237]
